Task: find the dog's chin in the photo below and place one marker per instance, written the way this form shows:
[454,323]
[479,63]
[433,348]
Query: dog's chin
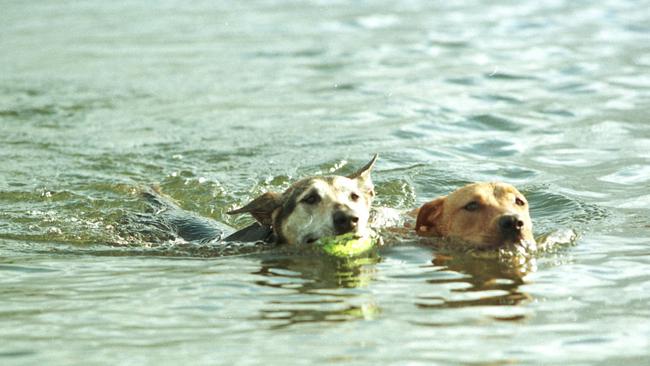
[517,243]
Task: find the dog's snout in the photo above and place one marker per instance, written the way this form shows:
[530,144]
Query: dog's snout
[344,222]
[510,224]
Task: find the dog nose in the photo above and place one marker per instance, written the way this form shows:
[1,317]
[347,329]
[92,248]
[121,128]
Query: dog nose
[510,224]
[344,222]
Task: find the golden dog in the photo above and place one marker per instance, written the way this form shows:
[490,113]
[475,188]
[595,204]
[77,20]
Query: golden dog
[483,215]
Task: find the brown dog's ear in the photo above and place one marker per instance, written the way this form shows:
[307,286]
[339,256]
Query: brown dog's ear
[427,216]
[262,207]
[363,176]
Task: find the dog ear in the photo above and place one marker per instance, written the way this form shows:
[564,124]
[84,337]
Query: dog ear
[363,176]
[427,216]
[261,208]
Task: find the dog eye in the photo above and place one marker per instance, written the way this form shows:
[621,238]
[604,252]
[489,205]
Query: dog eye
[472,206]
[311,199]
[354,197]
[520,202]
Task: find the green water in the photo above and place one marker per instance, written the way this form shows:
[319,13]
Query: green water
[218,102]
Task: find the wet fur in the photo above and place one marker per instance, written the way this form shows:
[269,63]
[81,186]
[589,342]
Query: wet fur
[166,220]
[294,221]
[448,216]
[281,217]
[299,223]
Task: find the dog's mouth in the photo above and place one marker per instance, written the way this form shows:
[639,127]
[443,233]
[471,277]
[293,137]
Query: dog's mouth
[311,239]
[517,242]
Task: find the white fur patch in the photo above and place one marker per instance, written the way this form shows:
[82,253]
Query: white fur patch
[310,222]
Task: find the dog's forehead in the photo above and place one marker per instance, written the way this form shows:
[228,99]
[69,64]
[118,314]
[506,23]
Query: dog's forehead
[325,186]
[503,190]
[334,185]
[482,192]
[343,184]
[322,185]
[300,187]
[471,192]
[319,184]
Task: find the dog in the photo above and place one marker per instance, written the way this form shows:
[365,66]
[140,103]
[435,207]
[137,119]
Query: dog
[308,210]
[482,215]
[317,207]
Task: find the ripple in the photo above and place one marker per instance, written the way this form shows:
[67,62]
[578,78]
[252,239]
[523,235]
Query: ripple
[494,148]
[492,122]
[633,174]
[24,269]
[500,98]
[551,210]
[377,21]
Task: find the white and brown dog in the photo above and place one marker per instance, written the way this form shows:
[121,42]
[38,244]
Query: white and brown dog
[309,209]
[317,207]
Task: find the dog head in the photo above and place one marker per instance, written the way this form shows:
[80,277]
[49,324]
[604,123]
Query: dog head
[481,214]
[316,207]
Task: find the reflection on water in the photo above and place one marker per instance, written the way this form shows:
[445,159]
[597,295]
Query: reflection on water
[317,285]
[490,281]
[318,272]
[322,288]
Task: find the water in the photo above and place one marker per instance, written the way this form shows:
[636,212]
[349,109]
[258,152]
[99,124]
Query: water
[218,102]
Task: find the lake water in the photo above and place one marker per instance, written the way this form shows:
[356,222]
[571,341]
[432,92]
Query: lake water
[218,102]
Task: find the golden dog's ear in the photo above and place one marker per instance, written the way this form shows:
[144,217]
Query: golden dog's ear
[261,208]
[427,217]
[363,176]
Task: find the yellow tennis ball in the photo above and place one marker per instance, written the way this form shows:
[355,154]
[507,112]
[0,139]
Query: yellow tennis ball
[346,245]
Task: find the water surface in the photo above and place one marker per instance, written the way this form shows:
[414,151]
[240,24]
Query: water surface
[219,102]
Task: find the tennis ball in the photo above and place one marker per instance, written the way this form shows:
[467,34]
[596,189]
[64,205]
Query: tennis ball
[346,245]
